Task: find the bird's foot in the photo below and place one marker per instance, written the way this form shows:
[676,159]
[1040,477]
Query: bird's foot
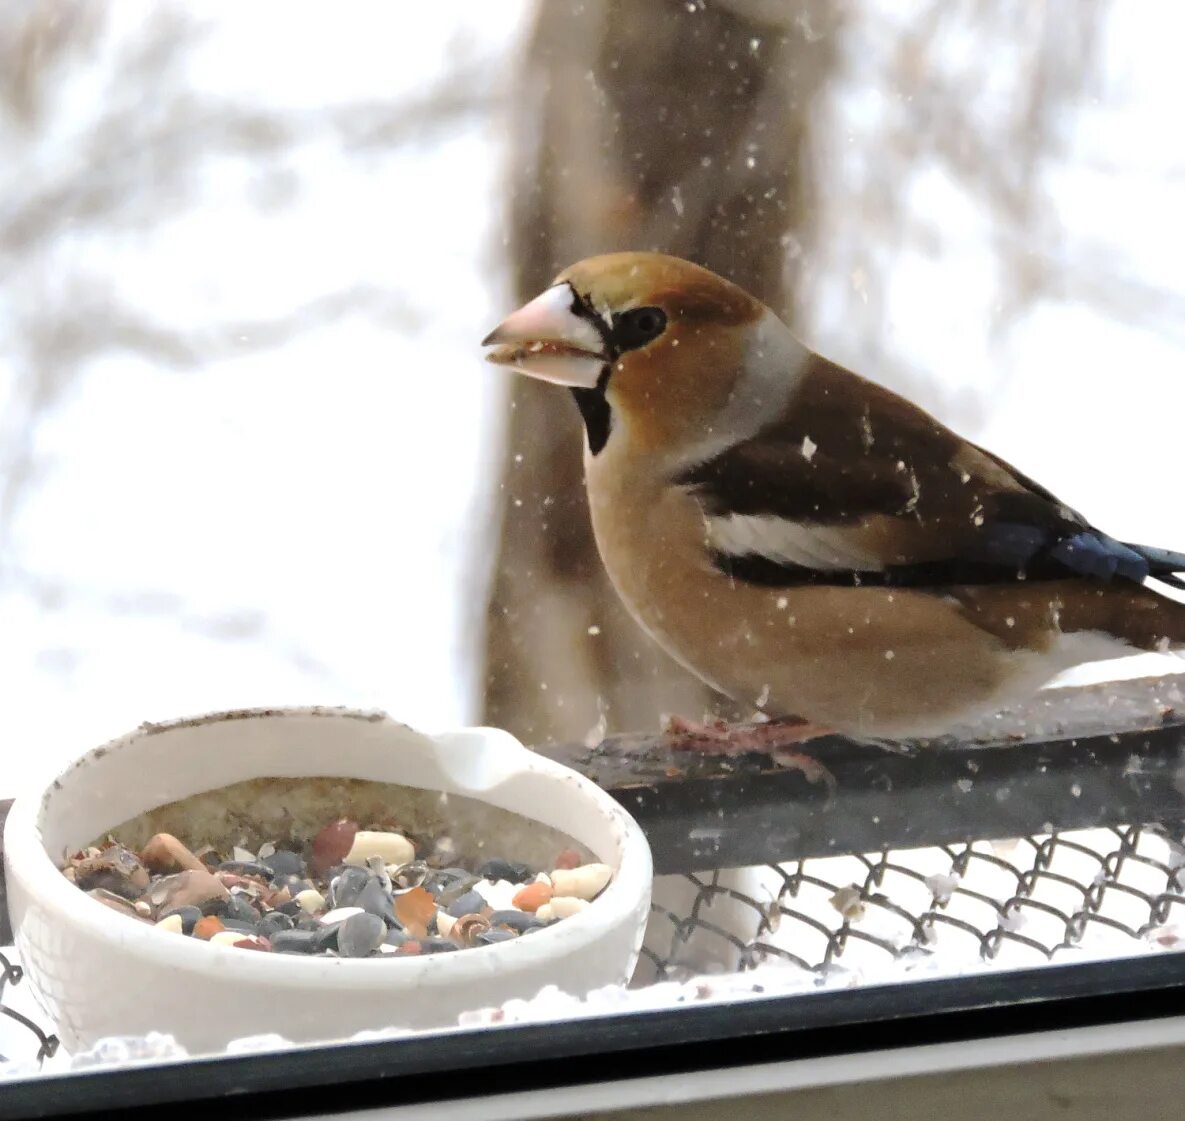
[908,748]
[775,738]
[718,737]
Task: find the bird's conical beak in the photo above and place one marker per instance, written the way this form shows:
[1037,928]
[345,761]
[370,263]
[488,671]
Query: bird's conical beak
[546,339]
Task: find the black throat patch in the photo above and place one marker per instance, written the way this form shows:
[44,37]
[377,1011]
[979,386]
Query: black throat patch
[595,411]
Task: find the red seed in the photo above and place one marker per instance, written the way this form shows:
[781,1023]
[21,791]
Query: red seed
[253,944]
[411,946]
[332,845]
[415,909]
[532,897]
[207,926]
[233,879]
[569,858]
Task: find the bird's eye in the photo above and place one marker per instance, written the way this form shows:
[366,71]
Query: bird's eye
[637,327]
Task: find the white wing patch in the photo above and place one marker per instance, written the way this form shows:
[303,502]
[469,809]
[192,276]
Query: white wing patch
[823,548]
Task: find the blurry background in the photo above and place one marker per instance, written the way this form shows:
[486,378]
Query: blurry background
[249,452]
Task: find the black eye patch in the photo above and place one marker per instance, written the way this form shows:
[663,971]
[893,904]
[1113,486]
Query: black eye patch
[630,329]
[582,306]
[636,327]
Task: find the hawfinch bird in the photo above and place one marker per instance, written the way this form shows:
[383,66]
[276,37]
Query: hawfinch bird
[806,541]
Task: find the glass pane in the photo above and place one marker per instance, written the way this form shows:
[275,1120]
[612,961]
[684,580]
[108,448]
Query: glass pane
[837,660]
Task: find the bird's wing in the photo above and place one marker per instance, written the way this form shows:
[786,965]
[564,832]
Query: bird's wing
[855,485]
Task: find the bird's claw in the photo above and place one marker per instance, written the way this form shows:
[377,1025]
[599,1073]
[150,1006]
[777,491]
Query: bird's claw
[908,748]
[808,766]
[776,738]
[718,737]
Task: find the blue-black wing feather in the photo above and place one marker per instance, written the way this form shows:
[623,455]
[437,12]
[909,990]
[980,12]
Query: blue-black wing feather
[875,457]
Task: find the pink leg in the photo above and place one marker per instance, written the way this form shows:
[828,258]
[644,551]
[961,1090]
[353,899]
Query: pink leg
[774,738]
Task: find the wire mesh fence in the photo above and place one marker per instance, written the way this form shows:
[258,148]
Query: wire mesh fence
[24,1039]
[1110,891]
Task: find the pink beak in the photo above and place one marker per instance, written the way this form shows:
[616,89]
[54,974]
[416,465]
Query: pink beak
[546,339]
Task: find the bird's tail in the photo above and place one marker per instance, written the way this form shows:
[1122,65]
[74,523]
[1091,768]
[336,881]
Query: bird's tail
[1162,564]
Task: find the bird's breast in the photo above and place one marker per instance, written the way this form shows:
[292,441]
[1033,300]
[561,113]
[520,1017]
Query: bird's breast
[867,660]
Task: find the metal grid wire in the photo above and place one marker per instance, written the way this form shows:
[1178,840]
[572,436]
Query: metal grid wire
[1114,891]
[41,1045]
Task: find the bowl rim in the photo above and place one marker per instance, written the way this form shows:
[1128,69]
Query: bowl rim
[30,868]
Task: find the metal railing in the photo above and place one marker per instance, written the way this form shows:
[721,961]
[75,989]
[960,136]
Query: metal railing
[1114,892]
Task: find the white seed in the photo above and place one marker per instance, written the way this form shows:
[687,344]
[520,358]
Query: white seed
[143,908]
[340,914]
[310,900]
[392,848]
[498,894]
[848,903]
[444,922]
[242,855]
[585,882]
[227,937]
[171,923]
[561,907]
[265,850]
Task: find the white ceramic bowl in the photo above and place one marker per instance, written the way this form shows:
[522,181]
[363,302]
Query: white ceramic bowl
[99,973]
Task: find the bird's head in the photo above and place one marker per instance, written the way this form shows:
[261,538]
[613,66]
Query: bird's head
[652,345]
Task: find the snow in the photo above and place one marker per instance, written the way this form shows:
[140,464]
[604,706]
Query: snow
[288,523]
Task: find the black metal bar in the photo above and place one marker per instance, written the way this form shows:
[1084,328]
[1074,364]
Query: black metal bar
[1077,758]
